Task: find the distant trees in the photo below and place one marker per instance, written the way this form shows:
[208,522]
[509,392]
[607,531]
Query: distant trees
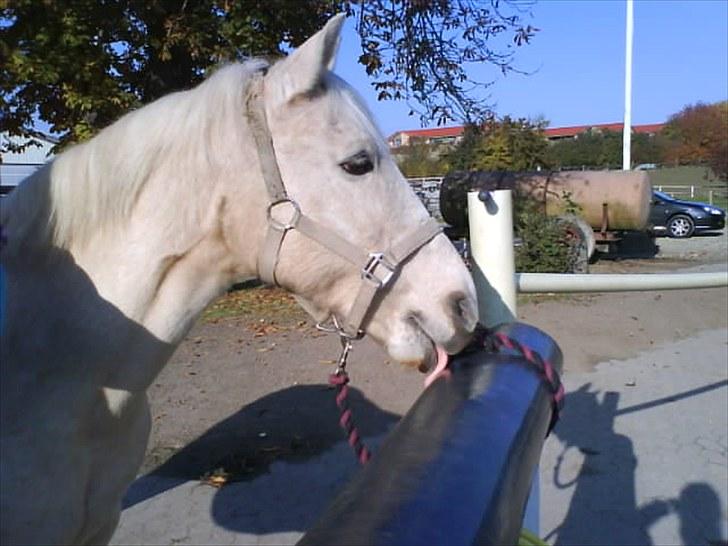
[603,150]
[647,148]
[502,145]
[420,159]
[496,145]
[699,134]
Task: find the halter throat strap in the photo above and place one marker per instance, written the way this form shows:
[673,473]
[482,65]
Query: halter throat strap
[377,269]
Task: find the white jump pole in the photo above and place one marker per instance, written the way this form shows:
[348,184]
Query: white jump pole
[491,246]
[619,282]
[494,274]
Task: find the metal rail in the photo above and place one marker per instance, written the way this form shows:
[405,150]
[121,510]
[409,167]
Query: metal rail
[619,282]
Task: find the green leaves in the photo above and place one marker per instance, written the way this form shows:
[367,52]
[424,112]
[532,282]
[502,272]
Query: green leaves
[72,67]
[75,66]
[502,145]
[424,49]
[544,247]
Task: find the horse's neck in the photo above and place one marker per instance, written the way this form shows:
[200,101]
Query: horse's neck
[162,277]
[119,306]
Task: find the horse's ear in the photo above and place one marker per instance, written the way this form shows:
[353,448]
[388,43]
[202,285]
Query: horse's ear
[303,70]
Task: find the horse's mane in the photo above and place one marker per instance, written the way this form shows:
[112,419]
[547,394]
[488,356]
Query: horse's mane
[94,185]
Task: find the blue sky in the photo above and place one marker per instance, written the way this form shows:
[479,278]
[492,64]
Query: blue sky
[577,60]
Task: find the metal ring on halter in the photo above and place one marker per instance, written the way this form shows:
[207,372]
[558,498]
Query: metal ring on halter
[337,329]
[291,223]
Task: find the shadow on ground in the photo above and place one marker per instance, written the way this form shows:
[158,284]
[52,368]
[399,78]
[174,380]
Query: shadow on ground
[633,245]
[603,508]
[295,425]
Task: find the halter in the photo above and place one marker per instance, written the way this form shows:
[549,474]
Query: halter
[377,269]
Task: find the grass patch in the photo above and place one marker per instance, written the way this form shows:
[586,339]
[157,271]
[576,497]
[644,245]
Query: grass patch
[701,178]
[683,176]
[536,299]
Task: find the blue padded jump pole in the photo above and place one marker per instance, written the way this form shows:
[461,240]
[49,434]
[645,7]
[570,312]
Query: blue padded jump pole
[457,468]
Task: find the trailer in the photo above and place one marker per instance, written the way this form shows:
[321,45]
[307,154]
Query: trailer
[599,209]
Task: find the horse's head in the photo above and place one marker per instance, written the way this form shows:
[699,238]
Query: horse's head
[337,168]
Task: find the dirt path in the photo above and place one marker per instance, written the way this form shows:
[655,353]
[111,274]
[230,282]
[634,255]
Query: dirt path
[251,390]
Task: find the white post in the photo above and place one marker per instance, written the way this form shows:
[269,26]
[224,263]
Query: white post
[491,246]
[627,130]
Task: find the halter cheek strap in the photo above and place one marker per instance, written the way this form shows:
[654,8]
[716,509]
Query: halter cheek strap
[377,269]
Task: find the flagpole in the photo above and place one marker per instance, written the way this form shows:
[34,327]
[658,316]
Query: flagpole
[627,130]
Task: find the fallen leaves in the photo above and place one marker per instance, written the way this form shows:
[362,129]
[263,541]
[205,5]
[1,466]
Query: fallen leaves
[237,468]
[261,301]
[217,478]
[264,329]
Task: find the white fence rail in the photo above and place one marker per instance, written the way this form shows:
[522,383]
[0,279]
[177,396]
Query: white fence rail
[620,282]
[692,192]
[677,191]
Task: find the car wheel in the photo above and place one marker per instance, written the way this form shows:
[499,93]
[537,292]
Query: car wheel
[680,226]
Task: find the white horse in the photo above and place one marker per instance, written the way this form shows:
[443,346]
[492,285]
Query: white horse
[114,249]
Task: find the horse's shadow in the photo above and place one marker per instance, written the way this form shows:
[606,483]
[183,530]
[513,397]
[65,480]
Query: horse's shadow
[296,426]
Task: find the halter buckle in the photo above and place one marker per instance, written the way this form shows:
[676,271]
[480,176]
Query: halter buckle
[292,221]
[369,271]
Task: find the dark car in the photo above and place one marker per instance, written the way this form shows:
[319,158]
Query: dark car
[682,219]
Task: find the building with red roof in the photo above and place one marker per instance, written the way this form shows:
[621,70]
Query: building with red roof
[451,135]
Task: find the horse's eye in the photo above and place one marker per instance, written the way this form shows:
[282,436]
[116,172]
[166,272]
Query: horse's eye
[358,164]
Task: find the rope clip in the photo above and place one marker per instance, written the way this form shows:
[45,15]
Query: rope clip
[344,338]
[345,350]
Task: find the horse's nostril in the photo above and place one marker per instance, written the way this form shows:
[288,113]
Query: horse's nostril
[465,310]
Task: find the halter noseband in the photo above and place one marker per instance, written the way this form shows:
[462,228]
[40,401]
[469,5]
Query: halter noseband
[377,268]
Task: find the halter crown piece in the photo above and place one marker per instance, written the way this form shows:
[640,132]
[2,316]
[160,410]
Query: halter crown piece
[377,268]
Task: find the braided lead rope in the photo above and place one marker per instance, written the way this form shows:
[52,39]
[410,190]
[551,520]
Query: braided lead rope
[340,380]
[544,367]
[491,342]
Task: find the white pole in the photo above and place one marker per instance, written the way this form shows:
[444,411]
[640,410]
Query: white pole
[491,246]
[627,130]
[618,282]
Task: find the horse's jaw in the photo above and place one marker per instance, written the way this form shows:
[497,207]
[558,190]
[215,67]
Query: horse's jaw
[411,345]
[410,340]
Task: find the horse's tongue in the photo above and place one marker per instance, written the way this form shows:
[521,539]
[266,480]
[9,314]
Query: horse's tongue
[442,361]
